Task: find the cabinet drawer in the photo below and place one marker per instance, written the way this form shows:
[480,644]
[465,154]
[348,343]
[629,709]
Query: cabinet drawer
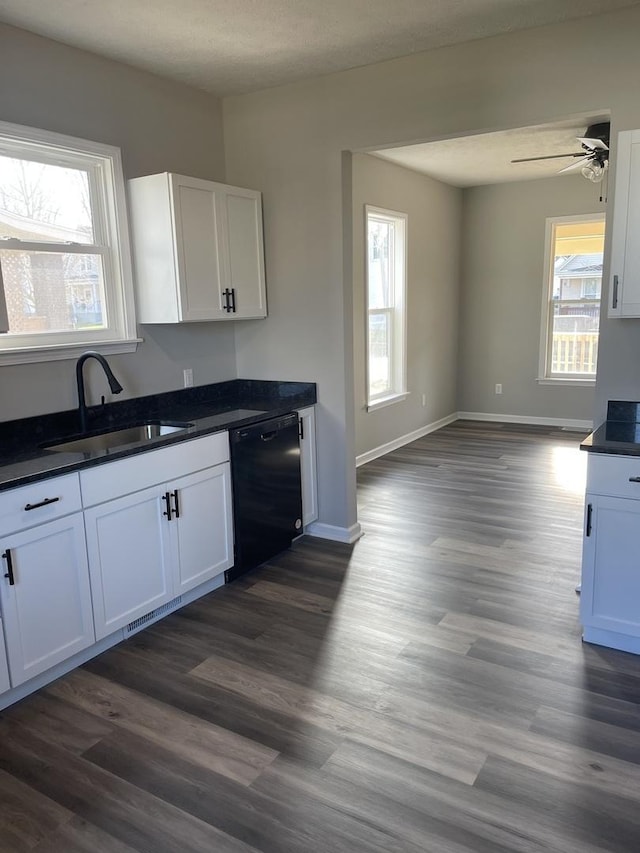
[618,476]
[122,477]
[45,500]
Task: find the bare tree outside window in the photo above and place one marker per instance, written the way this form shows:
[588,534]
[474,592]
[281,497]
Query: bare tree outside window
[48,290]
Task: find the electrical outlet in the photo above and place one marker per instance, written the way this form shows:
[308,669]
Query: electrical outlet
[498,388]
[187,374]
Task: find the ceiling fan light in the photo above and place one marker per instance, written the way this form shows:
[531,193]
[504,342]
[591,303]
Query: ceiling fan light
[593,171]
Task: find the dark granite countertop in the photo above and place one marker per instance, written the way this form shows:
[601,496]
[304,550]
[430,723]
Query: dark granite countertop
[619,434]
[209,408]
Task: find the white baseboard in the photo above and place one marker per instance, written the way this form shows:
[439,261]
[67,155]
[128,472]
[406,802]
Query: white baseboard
[404,439]
[348,535]
[568,423]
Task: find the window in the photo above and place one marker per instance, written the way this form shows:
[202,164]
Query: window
[571,304]
[65,269]
[386,289]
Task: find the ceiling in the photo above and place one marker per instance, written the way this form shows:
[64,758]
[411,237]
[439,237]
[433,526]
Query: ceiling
[485,158]
[236,46]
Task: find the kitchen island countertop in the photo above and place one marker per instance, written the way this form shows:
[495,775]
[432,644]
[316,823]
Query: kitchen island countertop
[619,434]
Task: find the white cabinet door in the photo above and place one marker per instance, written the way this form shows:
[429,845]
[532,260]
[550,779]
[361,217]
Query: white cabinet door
[624,288]
[203,528]
[47,608]
[308,465]
[130,560]
[611,565]
[241,220]
[199,254]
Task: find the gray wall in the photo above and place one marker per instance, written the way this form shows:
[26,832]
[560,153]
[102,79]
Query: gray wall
[434,231]
[501,296]
[289,142]
[160,126]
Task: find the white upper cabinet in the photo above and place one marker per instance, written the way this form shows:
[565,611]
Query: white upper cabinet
[198,250]
[624,286]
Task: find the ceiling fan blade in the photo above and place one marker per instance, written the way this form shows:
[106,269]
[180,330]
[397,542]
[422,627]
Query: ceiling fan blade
[577,165]
[594,144]
[548,157]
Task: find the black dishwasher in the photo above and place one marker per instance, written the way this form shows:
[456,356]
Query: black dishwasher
[267,501]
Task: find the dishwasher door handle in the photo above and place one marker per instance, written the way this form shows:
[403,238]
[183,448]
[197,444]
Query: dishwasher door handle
[268,436]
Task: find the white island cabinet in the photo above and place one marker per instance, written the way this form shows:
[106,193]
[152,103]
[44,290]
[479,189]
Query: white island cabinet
[158,524]
[610,597]
[45,594]
[198,250]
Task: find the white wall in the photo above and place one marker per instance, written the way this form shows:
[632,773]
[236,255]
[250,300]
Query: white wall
[501,296]
[160,126]
[289,141]
[433,272]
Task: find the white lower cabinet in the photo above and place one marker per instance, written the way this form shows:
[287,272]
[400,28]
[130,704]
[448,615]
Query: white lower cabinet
[610,565]
[308,465]
[161,539]
[610,594]
[203,532]
[129,559]
[45,594]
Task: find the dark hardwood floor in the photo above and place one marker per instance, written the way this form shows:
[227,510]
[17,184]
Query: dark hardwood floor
[423,690]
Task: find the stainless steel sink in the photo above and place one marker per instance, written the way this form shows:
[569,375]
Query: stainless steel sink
[113,439]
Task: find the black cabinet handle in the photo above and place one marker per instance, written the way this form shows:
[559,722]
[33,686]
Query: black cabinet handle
[45,502]
[176,504]
[9,573]
[233,300]
[228,305]
[589,515]
[167,500]
[634,479]
[301,429]
[614,303]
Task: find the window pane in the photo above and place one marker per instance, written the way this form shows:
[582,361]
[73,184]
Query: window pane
[575,337]
[53,292]
[381,247]
[380,381]
[39,201]
[575,297]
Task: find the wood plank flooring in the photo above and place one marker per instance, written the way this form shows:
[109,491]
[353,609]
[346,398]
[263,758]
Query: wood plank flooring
[423,690]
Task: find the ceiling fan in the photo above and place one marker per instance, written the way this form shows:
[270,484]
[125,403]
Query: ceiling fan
[594,157]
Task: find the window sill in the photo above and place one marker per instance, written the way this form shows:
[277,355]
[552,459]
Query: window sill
[570,381]
[33,355]
[387,401]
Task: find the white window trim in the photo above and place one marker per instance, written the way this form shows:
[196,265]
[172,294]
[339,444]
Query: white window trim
[121,336]
[387,401]
[570,379]
[401,392]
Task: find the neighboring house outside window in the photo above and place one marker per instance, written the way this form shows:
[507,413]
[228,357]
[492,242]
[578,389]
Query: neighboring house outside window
[65,269]
[571,303]
[386,306]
